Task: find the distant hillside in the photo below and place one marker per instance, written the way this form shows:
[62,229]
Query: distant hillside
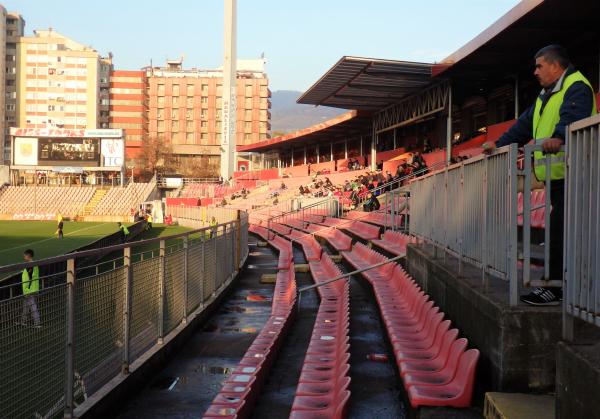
[287,115]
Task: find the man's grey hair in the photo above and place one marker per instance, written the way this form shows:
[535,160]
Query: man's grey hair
[555,54]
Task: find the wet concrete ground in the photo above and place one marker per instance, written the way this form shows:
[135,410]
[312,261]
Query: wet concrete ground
[277,396]
[188,384]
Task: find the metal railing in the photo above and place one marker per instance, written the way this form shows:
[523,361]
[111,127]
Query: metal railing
[93,325]
[528,177]
[470,210]
[581,292]
[329,207]
[396,183]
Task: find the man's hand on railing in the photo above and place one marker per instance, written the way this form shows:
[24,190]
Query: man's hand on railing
[488,147]
[552,145]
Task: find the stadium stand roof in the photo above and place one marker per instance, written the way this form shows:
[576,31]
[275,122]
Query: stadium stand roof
[511,41]
[367,83]
[349,123]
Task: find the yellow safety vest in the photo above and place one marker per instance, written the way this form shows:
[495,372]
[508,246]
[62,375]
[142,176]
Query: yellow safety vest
[30,285]
[544,124]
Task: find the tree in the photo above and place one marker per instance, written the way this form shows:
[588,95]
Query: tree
[156,156]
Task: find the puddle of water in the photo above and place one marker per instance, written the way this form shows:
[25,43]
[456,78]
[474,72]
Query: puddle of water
[239,329]
[213,370]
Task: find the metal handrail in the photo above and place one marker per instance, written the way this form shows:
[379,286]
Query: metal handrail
[384,186]
[337,278]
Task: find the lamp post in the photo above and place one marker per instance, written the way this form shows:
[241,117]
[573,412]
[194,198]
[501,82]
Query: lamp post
[131,167]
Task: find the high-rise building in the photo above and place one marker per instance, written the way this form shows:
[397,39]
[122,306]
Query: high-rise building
[57,82]
[105,70]
[129,108]
[12,28]
[185,108]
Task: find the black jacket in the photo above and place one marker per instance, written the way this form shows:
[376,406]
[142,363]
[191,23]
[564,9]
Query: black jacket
[576,105]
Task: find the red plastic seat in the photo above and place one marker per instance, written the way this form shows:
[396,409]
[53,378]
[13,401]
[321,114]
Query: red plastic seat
[438,371]
[457,393]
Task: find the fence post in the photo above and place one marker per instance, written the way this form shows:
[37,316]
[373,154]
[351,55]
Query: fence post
[70,353]
[238,226]
[215,231]
[203,241]
[235,248]
[185,278]
[161,292]
[513,241]
[127,309]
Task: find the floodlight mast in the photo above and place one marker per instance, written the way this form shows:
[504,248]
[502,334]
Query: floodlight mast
[229,108]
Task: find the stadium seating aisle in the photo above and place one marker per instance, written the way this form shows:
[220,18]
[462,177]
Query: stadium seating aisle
[323,387]
[435,367]
[240,391]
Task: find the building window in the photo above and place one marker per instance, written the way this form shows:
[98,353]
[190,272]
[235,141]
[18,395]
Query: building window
[189,125]
[218,137]
[248,126]
[188,114]
[205,89]
[247,137]
[190,90]
[189,102]
[161,126]
[248,92]
[189,137]
[218,126]
[160,113]
[161,101]
[161,90]
[175,113]
[248,103]
[175,90]
[219,102]
[51,108]
[204,99]
[219,90]
[203,124]
[175,126]
[248,116]
[203,114]
[204,136]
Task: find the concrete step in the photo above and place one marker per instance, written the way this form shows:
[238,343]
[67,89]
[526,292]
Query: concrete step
[518,406]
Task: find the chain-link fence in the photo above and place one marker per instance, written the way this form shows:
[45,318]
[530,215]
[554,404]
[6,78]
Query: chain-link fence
[61,344]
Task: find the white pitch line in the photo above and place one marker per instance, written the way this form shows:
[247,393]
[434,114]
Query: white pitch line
[50,238]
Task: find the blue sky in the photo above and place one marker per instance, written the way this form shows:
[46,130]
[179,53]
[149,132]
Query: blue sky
[300,39]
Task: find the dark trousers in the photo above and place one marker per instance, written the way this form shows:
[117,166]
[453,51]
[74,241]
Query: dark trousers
[557,221]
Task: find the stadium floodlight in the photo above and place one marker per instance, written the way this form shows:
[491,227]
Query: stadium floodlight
[228,131]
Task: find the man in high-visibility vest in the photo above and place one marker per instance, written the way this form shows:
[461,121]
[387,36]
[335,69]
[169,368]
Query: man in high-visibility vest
[124,232]
[566,96]
[30,281]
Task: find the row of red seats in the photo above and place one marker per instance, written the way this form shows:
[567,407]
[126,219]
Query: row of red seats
[394,242]
[364,231]
[338,240]
[378,218]
[284,247]
[279,228]
[311,247]
[323,387]
[241,389]
[434,365]
[538,216]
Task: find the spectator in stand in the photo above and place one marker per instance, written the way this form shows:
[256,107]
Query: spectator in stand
[566,96]
[372,203]
[380,165]
[283,187]
[308,169]
[347,186]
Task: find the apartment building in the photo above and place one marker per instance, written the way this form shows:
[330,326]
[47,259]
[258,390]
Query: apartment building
[185,108]
[129,108]
[13,26]
[57,82]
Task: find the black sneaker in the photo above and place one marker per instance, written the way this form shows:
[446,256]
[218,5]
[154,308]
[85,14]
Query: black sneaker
[543,297]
